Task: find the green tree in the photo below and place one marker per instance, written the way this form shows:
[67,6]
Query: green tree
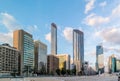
[28,70]
[58,71]
[68,72]
[74,71]
[63,71]
[14,72]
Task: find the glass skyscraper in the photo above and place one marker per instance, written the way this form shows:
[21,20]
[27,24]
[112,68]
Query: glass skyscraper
[53,39]
[40,56]
[99,59]
[78,49]
[23,41]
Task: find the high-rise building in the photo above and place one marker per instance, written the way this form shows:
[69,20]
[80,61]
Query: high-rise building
[8,60]
[53,39]
[52,64]
[78,49]
[64,61]
[23,41]
[118,65]
[40,57]
[99,59]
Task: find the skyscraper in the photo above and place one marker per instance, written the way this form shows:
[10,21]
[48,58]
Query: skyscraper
[78,49]
[40,57]
[23,41]
[53,39]
[99,59]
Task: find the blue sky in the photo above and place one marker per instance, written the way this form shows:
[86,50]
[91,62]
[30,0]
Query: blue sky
[98,19]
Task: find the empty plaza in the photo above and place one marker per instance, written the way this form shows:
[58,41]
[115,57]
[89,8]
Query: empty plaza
[71,78]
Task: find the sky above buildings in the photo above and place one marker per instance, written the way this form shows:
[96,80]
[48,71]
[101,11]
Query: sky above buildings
[98,19]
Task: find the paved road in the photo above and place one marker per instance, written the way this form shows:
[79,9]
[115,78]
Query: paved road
[89,78]
[77,78]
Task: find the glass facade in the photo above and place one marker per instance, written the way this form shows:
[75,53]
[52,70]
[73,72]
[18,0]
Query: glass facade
[53,39]
[78,49]
[113,64]
[117,65]
[99,58]
[28,55]
[42,56]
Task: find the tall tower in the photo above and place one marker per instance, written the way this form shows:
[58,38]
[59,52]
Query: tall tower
[78,49]
[99,59]
[53,39]
[23,41]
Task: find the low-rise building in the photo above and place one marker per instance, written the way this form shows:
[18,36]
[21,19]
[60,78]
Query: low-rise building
[64,61]
[8,60]
[52,64]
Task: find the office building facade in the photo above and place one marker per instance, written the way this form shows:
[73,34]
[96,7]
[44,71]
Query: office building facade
[8,60]
[78,49]
[53,39]
[23,41]
[118,65]
[99,59]
[64,61]
[40,57]
[52,64]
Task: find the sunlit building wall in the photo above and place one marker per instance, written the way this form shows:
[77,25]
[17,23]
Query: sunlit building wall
[23,41]
[78,49]
[64,61]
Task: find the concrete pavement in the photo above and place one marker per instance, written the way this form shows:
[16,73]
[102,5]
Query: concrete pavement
[72,78]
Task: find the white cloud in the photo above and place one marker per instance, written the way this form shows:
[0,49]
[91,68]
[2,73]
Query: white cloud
[103,4]
[32,29]
[89,6]
[67,33]
[111,35]
[6,38]
[107,49]
[116,12]
[95,20]
[9,21]
[48,37]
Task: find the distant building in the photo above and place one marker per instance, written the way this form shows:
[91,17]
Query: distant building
[64,61]
[118,65]
[8,60]
[71,64]
[53,39]
[78,49]
[40,57]
[113,64]
[99,59]
[52,64]
[23,41]
[86,67]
